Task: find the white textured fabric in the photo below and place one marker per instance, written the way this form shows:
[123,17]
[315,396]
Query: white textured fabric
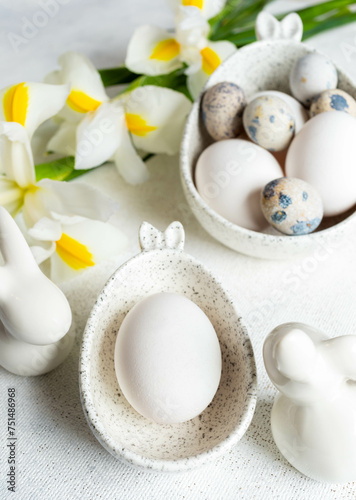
[57,455]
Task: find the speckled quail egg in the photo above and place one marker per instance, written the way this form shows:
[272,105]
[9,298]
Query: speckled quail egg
[292,206]
[333,100]
[222,108]
[300,114]
[269,122]
[311,75]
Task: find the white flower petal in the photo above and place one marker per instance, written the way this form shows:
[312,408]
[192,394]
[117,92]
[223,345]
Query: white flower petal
[156,118]
[191,29]
[64,139]
[67,219]
[16,155]
[11,195]
[46,230]
[87,89]
[99,135]
[208,8]
[152,51]
[129,164]
[93,243]
[75,198]
[34,207]
[211,57]
[30,104]
[42,253]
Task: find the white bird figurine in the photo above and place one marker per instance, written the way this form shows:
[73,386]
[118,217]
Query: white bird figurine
[34,313]
[314,416]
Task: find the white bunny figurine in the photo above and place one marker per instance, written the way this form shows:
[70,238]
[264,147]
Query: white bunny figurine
[314,417]
[34,313]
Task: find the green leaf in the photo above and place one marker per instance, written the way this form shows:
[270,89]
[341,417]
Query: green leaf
[63,169]
[59,170]
[116,76]
[175,80]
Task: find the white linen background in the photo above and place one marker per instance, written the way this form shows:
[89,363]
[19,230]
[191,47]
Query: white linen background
[57,455]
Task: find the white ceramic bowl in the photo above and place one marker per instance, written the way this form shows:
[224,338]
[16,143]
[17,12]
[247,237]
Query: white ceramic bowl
[260,66]
[164,267]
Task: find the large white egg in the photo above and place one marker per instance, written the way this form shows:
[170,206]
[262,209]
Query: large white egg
[168,358]
[230,176]
[300,114]
[324,155]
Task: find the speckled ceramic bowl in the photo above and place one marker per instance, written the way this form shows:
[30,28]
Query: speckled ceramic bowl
[163,266]
[260,66]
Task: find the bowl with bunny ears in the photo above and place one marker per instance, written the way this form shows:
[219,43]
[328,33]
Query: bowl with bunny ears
[260,66]
[313,417]
[163,266]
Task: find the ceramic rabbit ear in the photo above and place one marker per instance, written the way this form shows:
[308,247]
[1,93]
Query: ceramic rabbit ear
[294,355]
[13,246]
[269,28]
[288,354]
[174,236]
[152,239]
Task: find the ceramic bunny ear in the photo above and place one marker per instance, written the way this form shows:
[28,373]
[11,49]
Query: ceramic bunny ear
[152,239]
[289,354]
[13,247]
[174,236]
[294,355]
[269,28]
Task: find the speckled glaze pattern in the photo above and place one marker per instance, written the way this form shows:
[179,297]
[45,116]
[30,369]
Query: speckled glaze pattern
[272,62]
[333,100]
[292,206]
[164,267]
[222,108]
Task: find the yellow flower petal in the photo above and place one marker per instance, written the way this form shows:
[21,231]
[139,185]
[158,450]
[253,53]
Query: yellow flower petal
[194,3]
[75,254]
[15,103]
[166,50]
[81,102]
[210,60]
[137,125]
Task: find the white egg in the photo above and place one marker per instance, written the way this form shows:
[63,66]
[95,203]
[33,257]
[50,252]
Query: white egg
[230,176]
[300,114]
[324,155]
[311,75]
[168,358]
